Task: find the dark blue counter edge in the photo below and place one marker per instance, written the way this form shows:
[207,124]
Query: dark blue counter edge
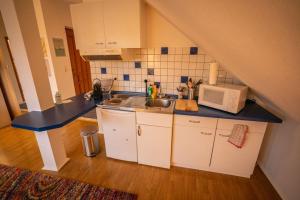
[59,125]
[222,114]
[189,113]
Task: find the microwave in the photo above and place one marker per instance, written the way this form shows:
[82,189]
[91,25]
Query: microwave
[226,97]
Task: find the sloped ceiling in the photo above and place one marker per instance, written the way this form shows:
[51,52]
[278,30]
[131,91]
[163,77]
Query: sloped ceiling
[258,41]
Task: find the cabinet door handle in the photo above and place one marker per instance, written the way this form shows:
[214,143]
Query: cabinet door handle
[99,43]
[205,133]
[112,42]
[222,135]
[139,131]
[194,121]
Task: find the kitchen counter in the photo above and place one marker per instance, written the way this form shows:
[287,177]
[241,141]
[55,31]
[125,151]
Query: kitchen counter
[251,112]
[54,117]
[139,104]
[60,115]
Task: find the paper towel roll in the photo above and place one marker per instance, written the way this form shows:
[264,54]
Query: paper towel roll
[213,73]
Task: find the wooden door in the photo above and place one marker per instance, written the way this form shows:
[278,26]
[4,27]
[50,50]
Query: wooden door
[80,68]
[154,145]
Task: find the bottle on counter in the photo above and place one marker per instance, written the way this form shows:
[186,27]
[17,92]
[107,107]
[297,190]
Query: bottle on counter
[150,90]
[154,92]
[58,99]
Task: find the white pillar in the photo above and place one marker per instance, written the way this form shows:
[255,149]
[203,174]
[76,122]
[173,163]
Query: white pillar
[52,141]
[21,26]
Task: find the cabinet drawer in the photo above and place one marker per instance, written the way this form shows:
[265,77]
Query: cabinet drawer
[154,119]
[253,126]
[194,121]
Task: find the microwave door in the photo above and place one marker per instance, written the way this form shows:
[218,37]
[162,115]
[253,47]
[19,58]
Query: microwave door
[214,98]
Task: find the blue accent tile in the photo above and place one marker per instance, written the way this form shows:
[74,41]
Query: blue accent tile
[126,77]
[103,70]
[184,79]
[157,84]
[150,71]
[137,64]
[164,50]
[194,50]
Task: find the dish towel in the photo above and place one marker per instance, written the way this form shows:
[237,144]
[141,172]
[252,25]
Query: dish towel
[238,135]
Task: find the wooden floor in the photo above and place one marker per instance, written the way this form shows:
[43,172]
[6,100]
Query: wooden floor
[19,148]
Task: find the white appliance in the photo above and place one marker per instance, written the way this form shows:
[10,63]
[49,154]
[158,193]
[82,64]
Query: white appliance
[119,128]
[227,97]
[4,115]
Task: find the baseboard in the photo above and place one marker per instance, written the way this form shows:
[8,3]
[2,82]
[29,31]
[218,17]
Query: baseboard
[273,183]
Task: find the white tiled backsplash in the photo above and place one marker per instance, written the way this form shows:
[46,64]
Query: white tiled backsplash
[171,66]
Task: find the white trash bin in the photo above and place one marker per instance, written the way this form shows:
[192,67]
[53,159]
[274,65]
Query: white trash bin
[90,140]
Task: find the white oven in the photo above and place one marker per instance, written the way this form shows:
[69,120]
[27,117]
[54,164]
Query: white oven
[227,97]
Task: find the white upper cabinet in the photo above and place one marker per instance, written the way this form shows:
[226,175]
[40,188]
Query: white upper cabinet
[88,27]
[122,19]
[107,24]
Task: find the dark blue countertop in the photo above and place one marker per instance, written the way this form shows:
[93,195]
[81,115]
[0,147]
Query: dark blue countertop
[54,117]
[251,112]
[60,115]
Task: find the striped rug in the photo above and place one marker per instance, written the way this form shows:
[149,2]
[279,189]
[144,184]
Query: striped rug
[18,183]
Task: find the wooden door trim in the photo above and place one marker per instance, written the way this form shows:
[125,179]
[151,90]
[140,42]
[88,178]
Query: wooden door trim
[73,60]
[14,68]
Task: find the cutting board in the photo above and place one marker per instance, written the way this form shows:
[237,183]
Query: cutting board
[186,105]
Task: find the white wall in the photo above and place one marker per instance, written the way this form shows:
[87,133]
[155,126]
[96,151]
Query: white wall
[56,17]
[46,47]
[259,43]
[21,27]
[4,116]
[6,61]
[279,158]
[162,33]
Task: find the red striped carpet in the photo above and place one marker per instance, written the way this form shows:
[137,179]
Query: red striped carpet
[18,183]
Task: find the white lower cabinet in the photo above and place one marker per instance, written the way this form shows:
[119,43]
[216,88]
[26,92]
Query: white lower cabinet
[192,143]
[187,141]
[154,136]
[154,145]
[228,159]
[202,143]
[119,134]
[192,147]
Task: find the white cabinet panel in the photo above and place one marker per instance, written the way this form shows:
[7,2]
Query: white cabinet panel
[154,145]
[99,119]
[155,119]
[119,134]
[253,126]
[229,159]
[88,26]
[186,120]
[122,23]
[107,24]
[192,146]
